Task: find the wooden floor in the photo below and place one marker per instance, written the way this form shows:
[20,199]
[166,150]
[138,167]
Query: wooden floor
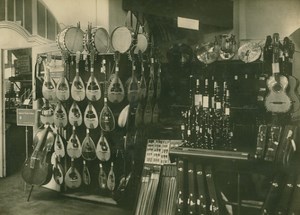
[13,201]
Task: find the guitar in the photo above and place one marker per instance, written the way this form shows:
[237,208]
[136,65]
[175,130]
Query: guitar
[48,88]
[133,85]
[77,88]
[90,117]
[75,116]
[59,146]
[102,178]
[74,145]
[47,113]
[288,49]
[142,91]
[73,178]
[62,87]
[106,117]
[57,170]
[36,170]
[111,180]
[116,92]
[60,116]
[86,176]
[88,147]
[93,90]
[103,150]
[277,101]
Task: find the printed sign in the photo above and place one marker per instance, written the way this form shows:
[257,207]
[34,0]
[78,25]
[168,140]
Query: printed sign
[26,117]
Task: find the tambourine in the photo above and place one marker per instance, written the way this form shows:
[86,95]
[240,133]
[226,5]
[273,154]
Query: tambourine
[228,46]
[121,39]
[99,40]
[207,53]
[70,39]
[249,52]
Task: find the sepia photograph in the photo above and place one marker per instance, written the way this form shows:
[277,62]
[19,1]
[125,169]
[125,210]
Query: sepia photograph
[150,107]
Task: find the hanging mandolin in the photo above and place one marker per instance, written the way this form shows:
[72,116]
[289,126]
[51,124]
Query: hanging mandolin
[88,147]
[77,88]
[93,90]
[116,92]
[62,87]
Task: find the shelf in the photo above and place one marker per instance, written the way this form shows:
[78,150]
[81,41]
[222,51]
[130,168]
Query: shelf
[207,153]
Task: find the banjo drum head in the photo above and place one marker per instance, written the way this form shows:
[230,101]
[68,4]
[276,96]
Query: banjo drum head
[100,39]
[73,40]
[121,39]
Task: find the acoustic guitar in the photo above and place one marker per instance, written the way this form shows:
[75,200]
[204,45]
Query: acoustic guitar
[60,116]
[57,170]
[90,117]
[75,115]
[74,145]
[106,117]
[133,85]
[59,146]
[88,147]
[62,87]
[93,90]
[36,170]
[77,88]
[111,180]
[48,88]
[47,113]
[86,176]
[116,92]
[73,178]
[103,150]
[277,101]
[288,50]
[102,178]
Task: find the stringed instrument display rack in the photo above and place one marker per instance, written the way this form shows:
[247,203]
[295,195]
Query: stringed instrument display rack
[112,167]
[256,141]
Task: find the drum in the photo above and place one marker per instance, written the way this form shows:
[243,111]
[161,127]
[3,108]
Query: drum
[142,43]
[121,39]
[71,40]
[100,39]
[207,53]
[249,52]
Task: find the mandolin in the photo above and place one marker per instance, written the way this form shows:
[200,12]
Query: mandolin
[103,150]
[57,170]
[88,147]
[102,178]
[155,113]
[62,87]
[75,116]
[158,82]
[139,115]
[90,117]
[142,91]
[148,112]
[47,113]
[123,116]
[77,88]
[73,178]
[151,81]
[116,92]
[93,90]
[59,146]
[133,86]
[106,117]
[60,116]
[277,101]
[48,88]
[86,176]
[74,145]
[36,170]
[111,180]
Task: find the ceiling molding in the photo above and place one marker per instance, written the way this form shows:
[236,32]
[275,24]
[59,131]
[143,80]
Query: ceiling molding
[31,39]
